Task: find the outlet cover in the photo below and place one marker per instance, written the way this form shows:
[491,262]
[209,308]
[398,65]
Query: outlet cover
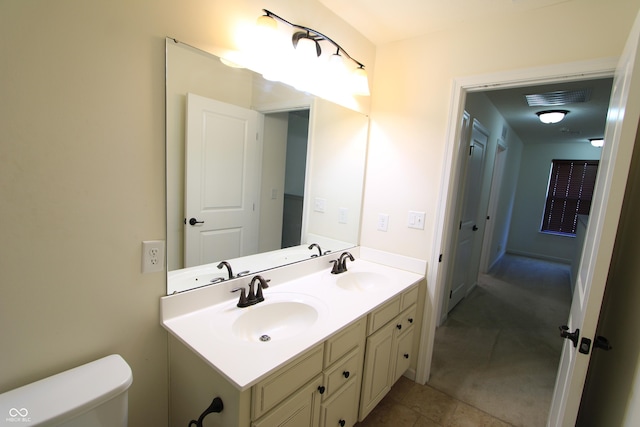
[152,256]
[343,215]
[383,222]
[320,205]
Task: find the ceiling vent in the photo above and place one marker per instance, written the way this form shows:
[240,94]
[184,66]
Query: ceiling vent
[560,97]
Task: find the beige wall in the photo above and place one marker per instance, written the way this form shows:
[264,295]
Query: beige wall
[82,156]
[82,165]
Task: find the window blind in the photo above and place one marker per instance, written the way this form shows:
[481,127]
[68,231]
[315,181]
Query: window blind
[569,194]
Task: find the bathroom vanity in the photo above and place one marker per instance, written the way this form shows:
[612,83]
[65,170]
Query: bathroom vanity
[322,349]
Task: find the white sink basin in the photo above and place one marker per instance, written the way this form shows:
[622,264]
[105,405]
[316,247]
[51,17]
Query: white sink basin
[275,321]
[282,315]
[362,281]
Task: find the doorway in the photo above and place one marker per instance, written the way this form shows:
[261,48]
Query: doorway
[499,232]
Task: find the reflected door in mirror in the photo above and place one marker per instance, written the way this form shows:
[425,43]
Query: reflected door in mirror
[222,181]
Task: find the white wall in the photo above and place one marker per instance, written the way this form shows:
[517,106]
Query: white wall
[525,237]
[479,107]
[274,156]
[412,105]
[82,177]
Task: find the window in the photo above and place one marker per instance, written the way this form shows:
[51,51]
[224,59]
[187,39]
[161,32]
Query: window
[569,194]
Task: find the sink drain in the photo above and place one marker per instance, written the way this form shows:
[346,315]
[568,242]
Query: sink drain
[265,338]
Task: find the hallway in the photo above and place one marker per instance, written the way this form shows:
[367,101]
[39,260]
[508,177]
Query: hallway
[499,349]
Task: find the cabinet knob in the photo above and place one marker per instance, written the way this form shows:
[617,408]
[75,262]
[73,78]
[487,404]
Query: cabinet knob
[346,374]
[411,320]
[321,389]
[341,423]
[399,326]
[406,355]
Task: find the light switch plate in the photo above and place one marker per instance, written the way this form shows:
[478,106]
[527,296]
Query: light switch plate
[320,205]
[416,220]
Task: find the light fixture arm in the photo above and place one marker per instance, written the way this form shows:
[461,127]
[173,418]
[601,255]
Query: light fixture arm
[314,35]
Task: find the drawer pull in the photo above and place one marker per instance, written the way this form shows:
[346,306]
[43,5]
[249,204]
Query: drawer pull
[346,374]
[406,355]
[321,389]
[410,319]
[342,423]
[399,326]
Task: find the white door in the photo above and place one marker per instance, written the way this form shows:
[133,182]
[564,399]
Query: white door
[222,180]
[499,162]
[620,134]
[461,276]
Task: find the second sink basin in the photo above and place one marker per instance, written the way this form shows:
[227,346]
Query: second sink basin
[363,281]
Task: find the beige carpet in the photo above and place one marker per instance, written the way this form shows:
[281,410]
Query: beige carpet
[500,347]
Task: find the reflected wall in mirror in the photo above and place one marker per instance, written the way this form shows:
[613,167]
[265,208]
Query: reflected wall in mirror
[256,171]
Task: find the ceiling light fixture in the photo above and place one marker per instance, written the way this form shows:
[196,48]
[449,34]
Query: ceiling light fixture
[597,142]
[306,42]
[552,116]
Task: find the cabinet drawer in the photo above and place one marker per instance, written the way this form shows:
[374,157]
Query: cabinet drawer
[344,341]
[380,316]
[343,407]
[406,319]
[273,389]
[345,371]
[409,297]
[301,409]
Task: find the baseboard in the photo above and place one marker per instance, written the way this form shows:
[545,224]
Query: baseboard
[540,256]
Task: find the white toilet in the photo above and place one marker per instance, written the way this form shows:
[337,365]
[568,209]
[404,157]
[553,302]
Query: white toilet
[91,395]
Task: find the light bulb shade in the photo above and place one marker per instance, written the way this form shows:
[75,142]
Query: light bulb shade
[306,47]
[266,22]
[554,116]
[597,142]
[360,82]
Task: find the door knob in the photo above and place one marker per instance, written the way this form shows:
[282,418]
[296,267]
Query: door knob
[475,227]
[573,336]
[194,221]
[602,343]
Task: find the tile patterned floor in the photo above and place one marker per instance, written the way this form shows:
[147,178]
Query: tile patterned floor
[409,404]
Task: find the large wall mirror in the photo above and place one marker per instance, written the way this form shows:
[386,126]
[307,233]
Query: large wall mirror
[256,171]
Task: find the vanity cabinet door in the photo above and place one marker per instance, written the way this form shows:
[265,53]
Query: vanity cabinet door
[342,409]
[377,363]
[403,355]
[300,409]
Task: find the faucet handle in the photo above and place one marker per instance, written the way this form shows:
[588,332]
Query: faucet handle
[243,302]
[336,266]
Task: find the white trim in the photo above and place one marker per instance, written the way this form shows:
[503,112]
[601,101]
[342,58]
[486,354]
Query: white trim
[573,71]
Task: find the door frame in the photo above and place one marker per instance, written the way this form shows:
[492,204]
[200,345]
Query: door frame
[450,179]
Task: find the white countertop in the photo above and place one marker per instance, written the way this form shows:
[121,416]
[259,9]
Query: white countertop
[206,329]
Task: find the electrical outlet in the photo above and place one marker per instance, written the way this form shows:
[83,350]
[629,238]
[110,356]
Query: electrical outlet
[320,205]
[152,256]
[342,215]
[383,222]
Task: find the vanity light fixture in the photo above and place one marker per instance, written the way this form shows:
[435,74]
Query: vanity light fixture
[307,44]
[552,116]
[597,142]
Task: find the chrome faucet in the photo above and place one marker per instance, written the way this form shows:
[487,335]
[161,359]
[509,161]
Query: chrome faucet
[226,264]
[340,264]
[253,297]
[315,245]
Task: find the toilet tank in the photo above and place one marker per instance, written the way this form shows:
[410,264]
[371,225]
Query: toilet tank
[91,395]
